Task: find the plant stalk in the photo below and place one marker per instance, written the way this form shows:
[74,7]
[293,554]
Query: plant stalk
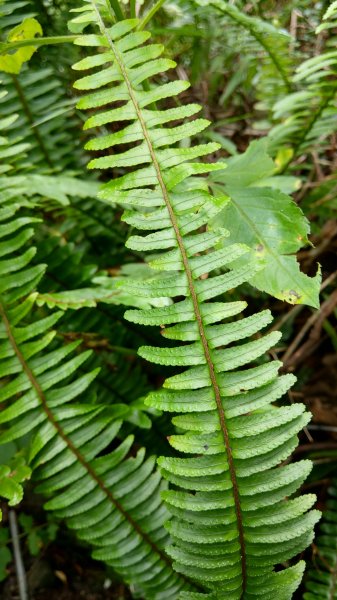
[39,41]
[150,14]
[133,12]
[116,7]
[19,566]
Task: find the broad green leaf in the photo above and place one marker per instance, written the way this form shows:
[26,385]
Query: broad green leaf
[284,183]
[27,30]
[269,222]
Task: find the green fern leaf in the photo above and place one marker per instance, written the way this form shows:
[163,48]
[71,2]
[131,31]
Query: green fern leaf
[306,117]
[255,37]
[35,108]
[59,188]
[233,437]
[112,499]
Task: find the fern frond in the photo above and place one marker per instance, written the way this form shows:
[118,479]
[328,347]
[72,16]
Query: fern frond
[9,150]
[110,497]
[231,522]
[329,18]
[38,98]
[45,115]
[91,228]
[261,42]
[322,575]
[307,117]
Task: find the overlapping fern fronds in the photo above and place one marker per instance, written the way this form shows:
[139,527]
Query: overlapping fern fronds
[234,513]
[9,151]
[307,117]
[106,491]
[263,44]
[92,229]
[45,115]
[322,575]
[37,97]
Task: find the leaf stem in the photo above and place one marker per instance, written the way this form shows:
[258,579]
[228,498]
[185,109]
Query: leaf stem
[39,41]
[150,14]
[116,7]
[133,12]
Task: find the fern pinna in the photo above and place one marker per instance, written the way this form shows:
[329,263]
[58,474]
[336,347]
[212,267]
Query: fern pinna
[93,478]
[231,521]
